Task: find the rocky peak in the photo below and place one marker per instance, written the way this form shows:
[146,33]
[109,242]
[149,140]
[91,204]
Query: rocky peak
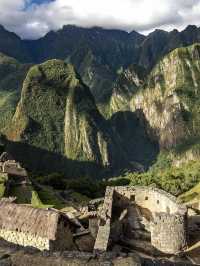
[126,85]
[57,113]
[170,97]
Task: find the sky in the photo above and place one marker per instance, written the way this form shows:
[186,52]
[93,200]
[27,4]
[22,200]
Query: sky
[32,19]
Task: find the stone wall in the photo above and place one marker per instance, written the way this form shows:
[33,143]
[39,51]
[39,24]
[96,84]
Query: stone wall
[155,209]
[154,199]
[25,239]
[64,238]
[168,233]
[13,168]
[93,226]
[103,234]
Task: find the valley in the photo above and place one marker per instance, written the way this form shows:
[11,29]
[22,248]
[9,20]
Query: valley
[88,109]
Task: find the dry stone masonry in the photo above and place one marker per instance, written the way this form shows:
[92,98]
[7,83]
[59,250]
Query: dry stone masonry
[39,228]
[131,211]
[105,222]
[168,232]
[130,217]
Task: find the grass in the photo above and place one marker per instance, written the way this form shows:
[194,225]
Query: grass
[48,197]
[8,103]
[3,180]
[37,203]
[191,195]
[2,190]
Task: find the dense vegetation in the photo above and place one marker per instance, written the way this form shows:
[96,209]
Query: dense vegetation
[128,100]
[163,174]
[12,75]
[175,180]
[98,54]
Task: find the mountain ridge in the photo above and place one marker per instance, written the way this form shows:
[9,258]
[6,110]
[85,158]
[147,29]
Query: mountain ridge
[102,62]
[98,54]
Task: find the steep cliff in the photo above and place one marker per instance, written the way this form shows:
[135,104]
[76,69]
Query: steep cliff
[132,132]
[88,136]
[94,73]
[159,43]
[126,85]
[170,99]
[57,113]
[97,53]
[12,74]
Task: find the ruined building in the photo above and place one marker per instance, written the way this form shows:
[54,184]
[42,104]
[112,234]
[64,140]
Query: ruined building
[40,228]
[141,213]
[137,218]
[11,169]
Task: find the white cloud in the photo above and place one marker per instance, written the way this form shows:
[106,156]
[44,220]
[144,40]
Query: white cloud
[141,15]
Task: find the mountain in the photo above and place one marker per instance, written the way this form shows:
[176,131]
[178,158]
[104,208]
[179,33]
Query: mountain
[13,46]
[169,101]
[57,113]
[98,76]
[12,75]
[98,54]
[159,43]
[145,109]
[126,85]
[112,46]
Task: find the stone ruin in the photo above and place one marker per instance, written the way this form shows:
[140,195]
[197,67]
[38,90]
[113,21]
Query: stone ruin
[132,215]
[10,168]
[43,229]
[141,222]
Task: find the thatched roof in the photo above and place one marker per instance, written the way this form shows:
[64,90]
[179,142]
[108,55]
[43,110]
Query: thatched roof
[26,219]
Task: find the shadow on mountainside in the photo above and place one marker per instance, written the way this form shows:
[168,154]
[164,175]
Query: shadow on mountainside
[133,138]
[132,128]
[39,160]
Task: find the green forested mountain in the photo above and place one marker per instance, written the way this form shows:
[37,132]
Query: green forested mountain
[98,54]
[114,101]
[12,75]
[170,98]
[57,113]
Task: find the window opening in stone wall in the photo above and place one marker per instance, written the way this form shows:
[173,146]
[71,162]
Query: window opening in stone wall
[132,198]
[146,198]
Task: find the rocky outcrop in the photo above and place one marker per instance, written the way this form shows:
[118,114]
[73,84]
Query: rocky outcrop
[169,101]
[127,84]
[88,136]
[132,132]
[159,43]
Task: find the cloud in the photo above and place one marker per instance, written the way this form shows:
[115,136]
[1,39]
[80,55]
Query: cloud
[33,19]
